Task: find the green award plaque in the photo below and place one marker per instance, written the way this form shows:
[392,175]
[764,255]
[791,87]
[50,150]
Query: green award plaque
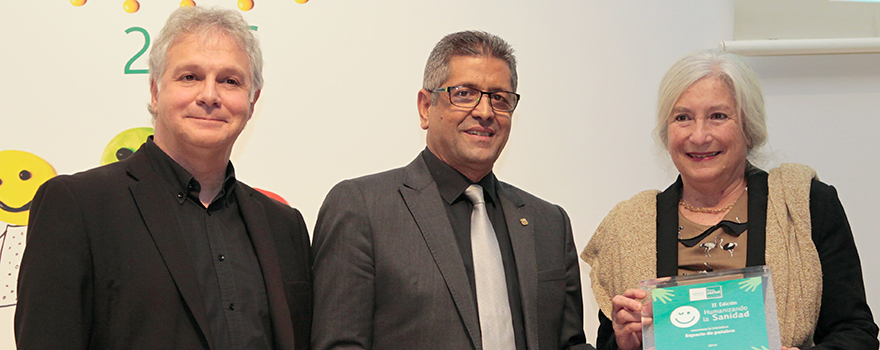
[727,310]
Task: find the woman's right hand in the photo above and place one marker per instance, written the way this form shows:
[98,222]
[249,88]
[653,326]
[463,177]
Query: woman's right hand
[626,319]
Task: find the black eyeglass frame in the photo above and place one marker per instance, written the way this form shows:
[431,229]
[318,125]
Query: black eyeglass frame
[477,103]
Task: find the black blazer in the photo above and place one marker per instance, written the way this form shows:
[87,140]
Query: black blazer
[106,265]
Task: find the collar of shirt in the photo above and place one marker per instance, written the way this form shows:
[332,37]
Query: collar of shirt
[182,183]
[452,183]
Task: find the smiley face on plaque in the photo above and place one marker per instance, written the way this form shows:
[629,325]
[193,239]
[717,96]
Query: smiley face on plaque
[685,316]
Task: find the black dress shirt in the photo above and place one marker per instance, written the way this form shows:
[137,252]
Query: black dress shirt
[452,185]
[222,255]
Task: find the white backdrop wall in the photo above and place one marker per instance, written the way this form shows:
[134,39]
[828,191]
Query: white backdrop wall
[340,98]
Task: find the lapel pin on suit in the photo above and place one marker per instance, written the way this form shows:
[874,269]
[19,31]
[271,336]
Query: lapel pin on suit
[524,222]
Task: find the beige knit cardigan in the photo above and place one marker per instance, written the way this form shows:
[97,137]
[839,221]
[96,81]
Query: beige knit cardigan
[623,251]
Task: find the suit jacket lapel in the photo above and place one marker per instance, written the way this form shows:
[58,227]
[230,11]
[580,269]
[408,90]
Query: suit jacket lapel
[757,207]
[155,204]
[264,246]
[425,204]
[667,230]
[522,239]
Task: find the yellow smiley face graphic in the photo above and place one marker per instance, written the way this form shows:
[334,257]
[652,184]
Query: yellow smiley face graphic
[21,173]
[125,144]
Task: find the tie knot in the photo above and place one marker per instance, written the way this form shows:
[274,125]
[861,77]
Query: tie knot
[475,194]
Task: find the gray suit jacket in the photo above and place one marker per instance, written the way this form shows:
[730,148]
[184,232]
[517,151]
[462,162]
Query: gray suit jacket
[388,273]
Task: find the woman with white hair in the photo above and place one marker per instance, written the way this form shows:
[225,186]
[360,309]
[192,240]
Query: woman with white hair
[724,213]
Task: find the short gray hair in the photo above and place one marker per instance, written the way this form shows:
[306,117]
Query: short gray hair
[466,43]
[201,20]
[734,72]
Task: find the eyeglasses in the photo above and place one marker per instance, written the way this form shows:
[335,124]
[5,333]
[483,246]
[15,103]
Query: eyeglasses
[466,97]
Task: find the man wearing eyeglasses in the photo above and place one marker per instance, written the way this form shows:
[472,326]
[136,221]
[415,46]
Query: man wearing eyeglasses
[439,254]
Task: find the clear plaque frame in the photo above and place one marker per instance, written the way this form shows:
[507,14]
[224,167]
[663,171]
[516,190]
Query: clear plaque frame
[708,331]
